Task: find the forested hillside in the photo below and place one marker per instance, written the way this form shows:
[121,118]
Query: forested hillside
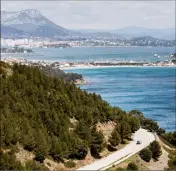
[38,111]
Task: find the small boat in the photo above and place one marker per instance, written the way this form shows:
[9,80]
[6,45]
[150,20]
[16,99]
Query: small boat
[155,55]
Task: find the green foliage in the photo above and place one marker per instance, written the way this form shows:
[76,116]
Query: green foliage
[8,162]
[80,153]
[134,123]
[36,111]
[83,130]
[150,125]
[124,130]
[69,164]
[97,142]
[155,148]
[56,72]
[146,154]
[160,131]
[172,163]
[3,65]
[33,165]
[170,137]
[115,138]
[132,166]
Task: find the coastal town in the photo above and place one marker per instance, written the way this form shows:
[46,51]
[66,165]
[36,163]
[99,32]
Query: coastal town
[97,41]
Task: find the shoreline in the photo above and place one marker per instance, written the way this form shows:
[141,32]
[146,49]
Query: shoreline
[117,66]
[91,65]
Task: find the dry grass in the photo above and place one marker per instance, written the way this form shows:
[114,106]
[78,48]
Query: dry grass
[23,156]
[106,128]
[161,164]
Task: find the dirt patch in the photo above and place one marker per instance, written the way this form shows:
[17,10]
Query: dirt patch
[135,159]
[161,164]
[89,159]
[52,165]
[23,156]
[106,128]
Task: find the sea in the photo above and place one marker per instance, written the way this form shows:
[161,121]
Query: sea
[152,90]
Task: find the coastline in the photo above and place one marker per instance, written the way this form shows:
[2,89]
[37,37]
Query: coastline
[90,65]
[117,66]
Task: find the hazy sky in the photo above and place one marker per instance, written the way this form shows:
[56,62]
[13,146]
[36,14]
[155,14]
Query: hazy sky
[101,14]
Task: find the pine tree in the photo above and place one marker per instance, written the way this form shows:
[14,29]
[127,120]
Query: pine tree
[134,123]
[97,142]
[155,149]
[132,166]
[41,146]
[115,138]
[146,154]
[83,130]
[124,130]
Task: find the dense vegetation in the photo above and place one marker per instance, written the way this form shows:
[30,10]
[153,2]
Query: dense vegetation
[146,154]
[170,137]
[155,148]
[51,117]
[172,162]
[153,151]
[37,112]
[56,72]
[8,162]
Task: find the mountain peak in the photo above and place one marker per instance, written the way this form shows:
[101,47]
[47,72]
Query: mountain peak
[33,13]
[31,21]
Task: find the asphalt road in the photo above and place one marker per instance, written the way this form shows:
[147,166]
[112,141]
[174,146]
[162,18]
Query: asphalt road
[117,157]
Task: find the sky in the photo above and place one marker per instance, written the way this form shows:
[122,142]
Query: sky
[101,14]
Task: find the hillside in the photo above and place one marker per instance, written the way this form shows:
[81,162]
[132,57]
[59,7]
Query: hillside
[55,120]
[30,22]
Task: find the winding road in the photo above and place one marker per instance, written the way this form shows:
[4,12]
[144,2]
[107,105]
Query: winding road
[129,150]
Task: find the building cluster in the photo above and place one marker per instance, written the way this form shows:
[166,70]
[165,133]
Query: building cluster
[86,42]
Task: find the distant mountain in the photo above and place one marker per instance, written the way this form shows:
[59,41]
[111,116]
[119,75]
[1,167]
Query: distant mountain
[7,31]
[102,34]
[140,31]
[32,22]
[48,31]
[130,32]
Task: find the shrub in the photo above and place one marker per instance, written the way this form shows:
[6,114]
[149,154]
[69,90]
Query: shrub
[80,153]
[111,148]
[33,165]
[155,148]
[172,163]
[146,154]
[39,157]
[115,138]
[132,166]
[70,164]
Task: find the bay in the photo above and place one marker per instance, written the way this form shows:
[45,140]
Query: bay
[148,89]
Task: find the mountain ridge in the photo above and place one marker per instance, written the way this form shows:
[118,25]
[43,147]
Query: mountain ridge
[134,31]
[33,23]
[29,21]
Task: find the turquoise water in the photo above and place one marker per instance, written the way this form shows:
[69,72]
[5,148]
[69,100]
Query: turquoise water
[148,89]
[98,53]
